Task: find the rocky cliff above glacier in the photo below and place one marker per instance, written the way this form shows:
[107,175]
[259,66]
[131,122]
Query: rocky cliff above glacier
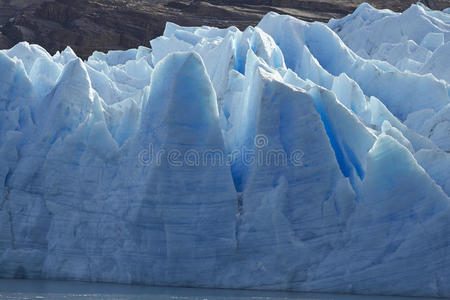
[89,25]
[270,158]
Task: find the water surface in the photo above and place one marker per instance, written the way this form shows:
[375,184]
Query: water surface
[48,289]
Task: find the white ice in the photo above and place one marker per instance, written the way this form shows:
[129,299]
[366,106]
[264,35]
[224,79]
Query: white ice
[117,168]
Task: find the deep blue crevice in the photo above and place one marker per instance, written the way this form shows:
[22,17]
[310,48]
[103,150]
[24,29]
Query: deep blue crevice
[354,160]
[340,155]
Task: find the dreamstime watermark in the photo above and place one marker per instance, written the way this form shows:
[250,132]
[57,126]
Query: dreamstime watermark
[258,155]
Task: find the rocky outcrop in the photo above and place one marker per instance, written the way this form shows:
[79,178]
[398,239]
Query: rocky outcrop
[88,25]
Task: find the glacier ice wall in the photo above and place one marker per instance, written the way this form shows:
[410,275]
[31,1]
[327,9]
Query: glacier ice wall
[417,40]
[290,156]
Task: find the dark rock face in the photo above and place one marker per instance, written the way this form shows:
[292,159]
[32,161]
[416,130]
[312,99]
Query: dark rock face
[88,25]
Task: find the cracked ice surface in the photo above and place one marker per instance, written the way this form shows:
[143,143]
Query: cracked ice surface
[366,211]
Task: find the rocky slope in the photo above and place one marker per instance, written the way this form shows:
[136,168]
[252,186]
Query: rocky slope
[88,25]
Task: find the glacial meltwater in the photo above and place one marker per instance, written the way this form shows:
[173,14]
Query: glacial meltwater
[48,289]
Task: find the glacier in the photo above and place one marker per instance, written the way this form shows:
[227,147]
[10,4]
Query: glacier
[132,166]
